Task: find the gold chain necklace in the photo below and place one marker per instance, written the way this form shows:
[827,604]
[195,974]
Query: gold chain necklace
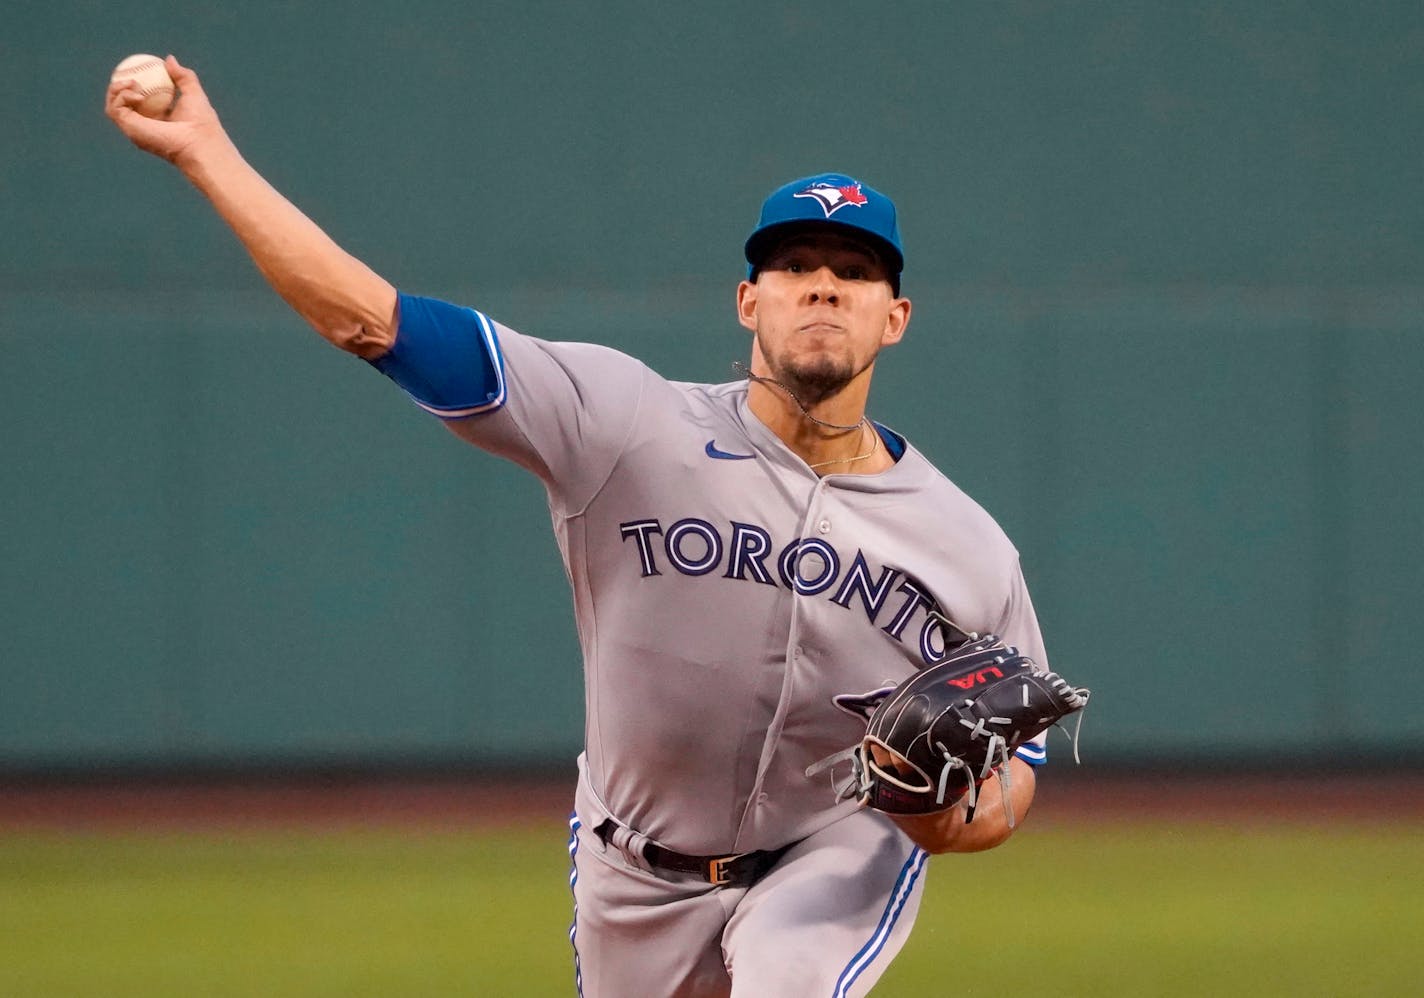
[874,446]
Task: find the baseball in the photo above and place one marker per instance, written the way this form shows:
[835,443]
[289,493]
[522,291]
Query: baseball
[147,74]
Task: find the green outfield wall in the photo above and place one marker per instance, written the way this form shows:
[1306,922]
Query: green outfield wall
[1167,262]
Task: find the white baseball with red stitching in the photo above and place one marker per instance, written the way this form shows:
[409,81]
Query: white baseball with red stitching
[147,75]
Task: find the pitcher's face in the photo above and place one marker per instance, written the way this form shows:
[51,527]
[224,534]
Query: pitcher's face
[821,309]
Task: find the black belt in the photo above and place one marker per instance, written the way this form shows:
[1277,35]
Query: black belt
[737,870]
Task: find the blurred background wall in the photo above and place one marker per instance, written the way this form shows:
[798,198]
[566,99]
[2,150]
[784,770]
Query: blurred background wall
[1167,263]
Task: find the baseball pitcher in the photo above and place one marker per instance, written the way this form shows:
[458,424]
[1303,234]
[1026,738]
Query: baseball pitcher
[810,660]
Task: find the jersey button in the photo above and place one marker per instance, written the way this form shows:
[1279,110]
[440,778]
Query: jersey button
[763,798]
[824,526]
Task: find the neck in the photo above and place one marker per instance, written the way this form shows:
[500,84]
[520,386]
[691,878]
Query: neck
[833,437]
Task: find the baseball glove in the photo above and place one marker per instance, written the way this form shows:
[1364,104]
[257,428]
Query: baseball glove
[941,733]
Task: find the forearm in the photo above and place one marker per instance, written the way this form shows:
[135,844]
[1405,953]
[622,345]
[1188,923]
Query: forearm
[343,299]
[947,831]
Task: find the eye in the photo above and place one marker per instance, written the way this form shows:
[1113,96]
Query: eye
[794,267]
[856,272]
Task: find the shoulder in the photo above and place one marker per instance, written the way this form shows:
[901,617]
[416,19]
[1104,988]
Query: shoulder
[727,395]
[946,510]
[513,344]
[583,360]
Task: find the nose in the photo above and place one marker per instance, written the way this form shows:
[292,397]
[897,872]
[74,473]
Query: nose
[823,286]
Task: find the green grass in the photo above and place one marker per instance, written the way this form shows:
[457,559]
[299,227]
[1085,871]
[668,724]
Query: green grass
[1127,911]
[355,913]
[1159,912]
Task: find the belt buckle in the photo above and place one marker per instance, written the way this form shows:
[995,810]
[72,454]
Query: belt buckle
[718,874]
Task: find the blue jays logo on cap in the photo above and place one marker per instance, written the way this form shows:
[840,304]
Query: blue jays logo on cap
[833,198]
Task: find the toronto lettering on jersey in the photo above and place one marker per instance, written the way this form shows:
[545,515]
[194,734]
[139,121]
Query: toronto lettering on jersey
[809,566]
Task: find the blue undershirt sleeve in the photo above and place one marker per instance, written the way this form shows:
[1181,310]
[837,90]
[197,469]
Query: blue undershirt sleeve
[446,357]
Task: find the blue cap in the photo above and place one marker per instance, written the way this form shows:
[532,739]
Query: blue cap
[830,199]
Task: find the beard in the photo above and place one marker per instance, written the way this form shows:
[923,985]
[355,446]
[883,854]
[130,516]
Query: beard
[814,380]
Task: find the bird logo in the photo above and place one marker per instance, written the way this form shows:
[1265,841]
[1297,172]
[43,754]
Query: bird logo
[833,197]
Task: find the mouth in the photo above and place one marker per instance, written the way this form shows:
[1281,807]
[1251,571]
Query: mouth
[821,327]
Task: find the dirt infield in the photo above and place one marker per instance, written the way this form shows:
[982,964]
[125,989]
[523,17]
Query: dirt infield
[449,801]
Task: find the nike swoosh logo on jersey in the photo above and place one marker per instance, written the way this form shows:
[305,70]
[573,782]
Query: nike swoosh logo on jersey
[722,455]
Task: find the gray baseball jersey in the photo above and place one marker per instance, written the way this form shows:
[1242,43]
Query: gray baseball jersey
[724,593]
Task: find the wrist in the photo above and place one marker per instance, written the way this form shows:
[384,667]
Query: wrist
[207,158]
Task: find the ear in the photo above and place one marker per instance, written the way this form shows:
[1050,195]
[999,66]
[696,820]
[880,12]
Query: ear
[747,304]
[896,321]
